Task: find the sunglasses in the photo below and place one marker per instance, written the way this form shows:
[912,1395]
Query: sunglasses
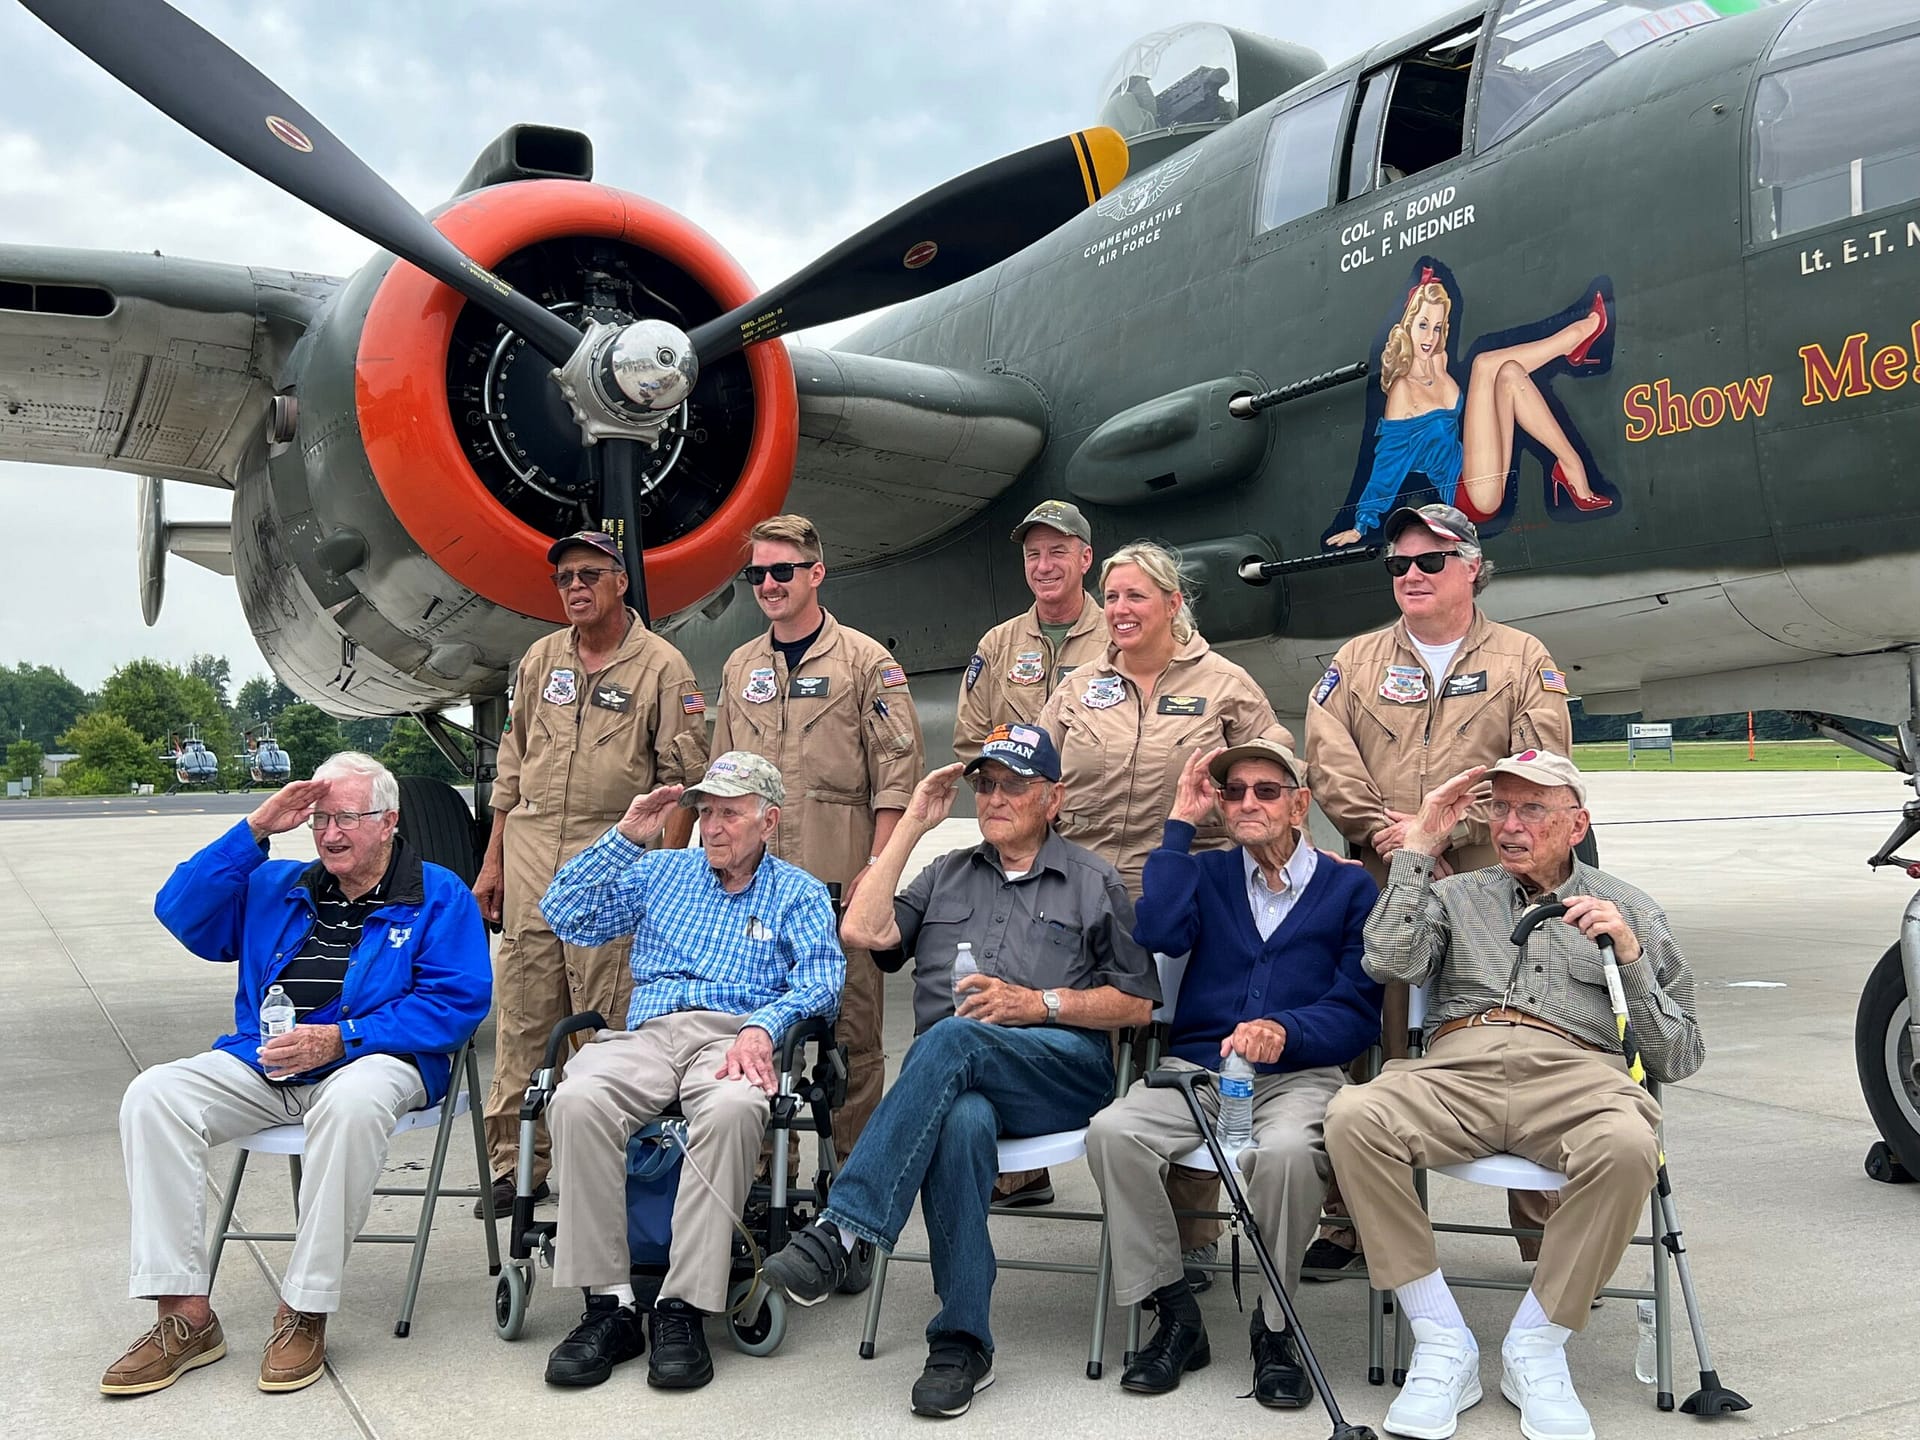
[1012,789]
[780,570]
[345,819]
[1431,563]
[589,576]
[1265,791]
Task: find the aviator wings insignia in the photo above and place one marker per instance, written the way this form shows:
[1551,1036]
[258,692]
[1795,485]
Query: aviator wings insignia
[1139,193]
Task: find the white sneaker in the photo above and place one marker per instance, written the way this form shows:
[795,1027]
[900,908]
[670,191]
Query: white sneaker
[1442,1380]
[1534,1376]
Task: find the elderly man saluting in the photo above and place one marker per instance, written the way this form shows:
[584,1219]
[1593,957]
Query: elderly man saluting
[385,959]
[731,948]
[1274,927]
[1027,1053]
[1523,1056]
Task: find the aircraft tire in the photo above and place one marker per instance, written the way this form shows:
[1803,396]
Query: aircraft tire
[1883,1054]
[437,823]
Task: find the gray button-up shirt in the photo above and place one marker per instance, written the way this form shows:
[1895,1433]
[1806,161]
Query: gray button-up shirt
[1067,924]
[1455,933]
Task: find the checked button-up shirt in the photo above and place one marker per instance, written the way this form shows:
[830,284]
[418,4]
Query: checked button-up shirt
[770,953]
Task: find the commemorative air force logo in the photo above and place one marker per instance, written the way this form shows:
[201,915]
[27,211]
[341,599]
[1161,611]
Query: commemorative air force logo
[561,689]
[1139,194]
[760,687]
[1104,692]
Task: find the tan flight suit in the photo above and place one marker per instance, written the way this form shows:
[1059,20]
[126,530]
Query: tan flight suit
[1121,755]
[576,750]
[1381,733]
[844,734]
[1014,671]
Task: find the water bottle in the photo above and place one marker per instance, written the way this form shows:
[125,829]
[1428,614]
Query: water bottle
[1235,1126]
[276,1014]
[1646,1355]
[963,965]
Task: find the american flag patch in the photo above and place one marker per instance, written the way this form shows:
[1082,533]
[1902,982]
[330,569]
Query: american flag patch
[1553,680]
[693,703]
[892,676]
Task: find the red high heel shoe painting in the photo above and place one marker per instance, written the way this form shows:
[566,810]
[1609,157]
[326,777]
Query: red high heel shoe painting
[1578,355]
[1580,502]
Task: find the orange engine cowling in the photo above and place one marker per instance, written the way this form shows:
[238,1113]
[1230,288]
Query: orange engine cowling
[473,447]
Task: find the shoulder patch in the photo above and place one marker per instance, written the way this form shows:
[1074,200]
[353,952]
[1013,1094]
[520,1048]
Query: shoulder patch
[892,676]
[1329,682]
[1554,680]
[974,667]
[693,703]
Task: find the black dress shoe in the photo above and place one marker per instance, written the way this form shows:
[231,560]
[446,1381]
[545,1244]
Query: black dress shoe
[607,1334]
[680,1359]
[1280,1382]
[503,1187]
[1326,1254]
[1179,1345]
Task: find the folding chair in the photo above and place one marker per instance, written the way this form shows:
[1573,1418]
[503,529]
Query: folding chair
[463,1085]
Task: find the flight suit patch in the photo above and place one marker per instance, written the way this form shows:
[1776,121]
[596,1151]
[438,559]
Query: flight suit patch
[612,697]
[1182,705]
[810,687]
[561,689]
[974,667]
[1474,684]
[1553,680]
[760,687]
[1329,682]
[1060,672]
[1404,685]
[1103,692]
[1029,668]
[693,703]
[892,676]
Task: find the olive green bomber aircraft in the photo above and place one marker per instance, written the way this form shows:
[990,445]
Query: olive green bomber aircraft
[1634,285]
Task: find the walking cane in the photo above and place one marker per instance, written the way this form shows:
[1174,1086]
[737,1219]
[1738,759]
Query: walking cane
[1712,1399]
[1184,1081]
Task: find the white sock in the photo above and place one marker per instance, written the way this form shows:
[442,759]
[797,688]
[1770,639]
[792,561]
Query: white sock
[847,1239]
[1429,1298]
[622,1293]
[1529,1316]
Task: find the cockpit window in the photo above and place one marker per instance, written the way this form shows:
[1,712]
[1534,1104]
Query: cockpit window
[1830,22]
[1184,76]
[1543,49]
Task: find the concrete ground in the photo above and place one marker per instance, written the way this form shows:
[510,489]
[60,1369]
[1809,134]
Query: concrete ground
[1806,1267]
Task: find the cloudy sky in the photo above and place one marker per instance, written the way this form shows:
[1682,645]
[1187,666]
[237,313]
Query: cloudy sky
[779,127]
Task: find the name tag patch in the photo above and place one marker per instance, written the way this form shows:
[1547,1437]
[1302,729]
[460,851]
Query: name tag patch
[1103,692]
[810,687]
[1182,705]
[1474,684]
[561,688]
[1029,668]
[1404,685]
[1060,672]
[611,697]
[760,687]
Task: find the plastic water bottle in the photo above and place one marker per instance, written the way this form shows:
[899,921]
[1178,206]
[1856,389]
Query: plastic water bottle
[1646,1355]
[276,1014]
[1235,1126]
[963,965]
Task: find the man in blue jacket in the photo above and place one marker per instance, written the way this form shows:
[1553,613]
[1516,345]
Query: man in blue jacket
[1275,931]
[385,959]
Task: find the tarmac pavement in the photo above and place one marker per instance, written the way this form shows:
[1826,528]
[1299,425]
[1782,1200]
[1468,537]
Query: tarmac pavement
[1805,1266]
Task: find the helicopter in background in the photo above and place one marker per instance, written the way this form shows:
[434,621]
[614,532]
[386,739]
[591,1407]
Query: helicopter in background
[267,761]
[195,767]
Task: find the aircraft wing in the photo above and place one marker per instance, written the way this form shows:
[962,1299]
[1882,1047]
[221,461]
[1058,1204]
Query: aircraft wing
[893,453]
[142,363]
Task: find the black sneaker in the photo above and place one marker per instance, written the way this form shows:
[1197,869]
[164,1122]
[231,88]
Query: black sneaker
[503,1186]
[608,1334]
[957,1370]
[1329,1254]
[1035,1190]
[811,1266]
[680,1359]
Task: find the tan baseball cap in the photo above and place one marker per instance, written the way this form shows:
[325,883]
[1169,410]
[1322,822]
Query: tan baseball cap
[1261,747]
[738,772]
[1543,767]
[1061,515]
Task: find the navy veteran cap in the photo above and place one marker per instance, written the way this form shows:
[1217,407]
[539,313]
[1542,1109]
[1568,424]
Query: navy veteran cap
[1023,749]
[598,539]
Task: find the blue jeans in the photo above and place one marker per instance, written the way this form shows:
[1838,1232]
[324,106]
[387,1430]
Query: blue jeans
[963,1085]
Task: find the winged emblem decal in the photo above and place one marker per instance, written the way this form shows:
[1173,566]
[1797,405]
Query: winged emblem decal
[1139,193]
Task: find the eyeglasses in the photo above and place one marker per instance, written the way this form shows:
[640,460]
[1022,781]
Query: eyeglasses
[588,575]
[1531,813]
[780,570]
[1012,789]
[345,819]
[1266,791]
[1431,563]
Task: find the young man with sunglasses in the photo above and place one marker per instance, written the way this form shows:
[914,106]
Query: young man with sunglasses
[1401,709]
[1028,1051]
[602,710]
[830,708]
[1274,928]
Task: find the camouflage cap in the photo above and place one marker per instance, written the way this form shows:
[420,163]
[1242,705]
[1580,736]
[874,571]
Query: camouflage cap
[738,772]
[1441,520]
[1543,767]
[1061,515]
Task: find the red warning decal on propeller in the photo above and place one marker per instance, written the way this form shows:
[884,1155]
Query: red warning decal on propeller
[920,255]
[289,134]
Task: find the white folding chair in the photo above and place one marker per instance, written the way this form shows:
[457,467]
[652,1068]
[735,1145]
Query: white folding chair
[463,1084]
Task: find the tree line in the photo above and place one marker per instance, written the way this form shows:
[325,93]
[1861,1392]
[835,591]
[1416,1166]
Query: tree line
[123,734]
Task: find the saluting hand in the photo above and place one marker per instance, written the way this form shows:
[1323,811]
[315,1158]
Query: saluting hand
[933,797]
[1194,797]
[1445,807]
[646,817]
[287,808]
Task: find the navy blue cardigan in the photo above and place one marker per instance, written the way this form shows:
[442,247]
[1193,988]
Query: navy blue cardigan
[1306,976]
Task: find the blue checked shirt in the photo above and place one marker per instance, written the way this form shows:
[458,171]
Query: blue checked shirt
[769,953]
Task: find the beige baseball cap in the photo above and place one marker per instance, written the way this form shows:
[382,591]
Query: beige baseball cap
[1543,767]
[1261,747]
[1061,515]
[738,772]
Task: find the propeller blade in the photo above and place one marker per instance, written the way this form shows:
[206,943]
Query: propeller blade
[189,75]
[615,466]
[953,231]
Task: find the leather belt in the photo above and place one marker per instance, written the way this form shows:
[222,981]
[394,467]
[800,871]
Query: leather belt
[1506,1015]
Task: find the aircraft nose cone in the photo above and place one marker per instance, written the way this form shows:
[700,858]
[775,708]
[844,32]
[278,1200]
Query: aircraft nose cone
[653,365]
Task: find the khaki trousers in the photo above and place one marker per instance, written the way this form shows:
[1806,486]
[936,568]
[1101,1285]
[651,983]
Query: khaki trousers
[1132,1141]
[614,1085]
[173,1114]
[1490,1089]
[862,1000]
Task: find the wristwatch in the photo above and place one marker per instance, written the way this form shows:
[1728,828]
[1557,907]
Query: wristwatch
[1051,998]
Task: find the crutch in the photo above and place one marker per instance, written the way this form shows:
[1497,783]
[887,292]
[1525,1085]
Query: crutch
[1184,1081]
[1712,1399]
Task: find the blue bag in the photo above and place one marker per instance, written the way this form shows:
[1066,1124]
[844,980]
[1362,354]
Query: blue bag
[653,1181]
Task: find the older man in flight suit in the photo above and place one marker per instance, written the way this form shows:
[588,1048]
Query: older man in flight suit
[829,707]
[602,711]
[1399,710]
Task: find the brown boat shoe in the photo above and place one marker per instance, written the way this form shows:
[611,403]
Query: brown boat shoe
[162,1355]
[296,1351]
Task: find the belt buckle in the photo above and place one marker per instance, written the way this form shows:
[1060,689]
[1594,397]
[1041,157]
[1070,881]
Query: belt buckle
[1492,1017]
